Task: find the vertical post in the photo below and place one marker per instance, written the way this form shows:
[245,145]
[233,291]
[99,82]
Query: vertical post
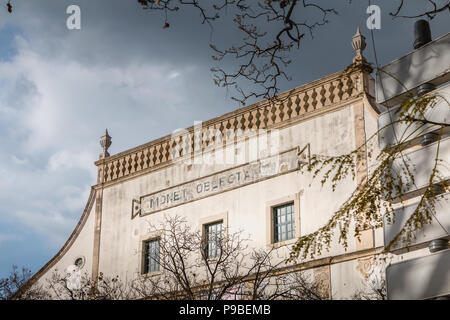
[361,78]
[422,36]
[105,143]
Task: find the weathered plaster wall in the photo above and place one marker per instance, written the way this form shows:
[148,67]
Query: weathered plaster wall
[244,208]
[330,134]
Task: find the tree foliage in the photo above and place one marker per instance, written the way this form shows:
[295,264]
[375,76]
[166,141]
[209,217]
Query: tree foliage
[383,186]
[17,279]
[186,272]
[271,30]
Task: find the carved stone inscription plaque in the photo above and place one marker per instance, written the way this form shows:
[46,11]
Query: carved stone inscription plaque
[219,182]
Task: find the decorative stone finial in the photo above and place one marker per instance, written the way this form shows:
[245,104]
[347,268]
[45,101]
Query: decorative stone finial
[359,44]
[105,142]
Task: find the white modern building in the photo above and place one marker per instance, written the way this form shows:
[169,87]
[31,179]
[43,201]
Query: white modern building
[421,267]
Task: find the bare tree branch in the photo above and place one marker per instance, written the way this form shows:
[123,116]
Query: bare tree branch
[429,13]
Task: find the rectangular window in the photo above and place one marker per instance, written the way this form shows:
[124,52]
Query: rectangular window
[213,234]
[151,256]
[283,222]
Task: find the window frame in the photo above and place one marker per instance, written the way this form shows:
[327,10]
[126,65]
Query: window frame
[270,223]
[145,240]
[289,220]
[207,241]
[83,262]
[210,220]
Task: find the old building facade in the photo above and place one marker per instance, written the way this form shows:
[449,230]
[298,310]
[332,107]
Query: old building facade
[239,171]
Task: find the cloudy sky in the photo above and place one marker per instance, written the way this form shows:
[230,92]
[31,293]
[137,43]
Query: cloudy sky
[60,89]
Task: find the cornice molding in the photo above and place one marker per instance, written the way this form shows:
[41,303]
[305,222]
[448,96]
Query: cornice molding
[312,99]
